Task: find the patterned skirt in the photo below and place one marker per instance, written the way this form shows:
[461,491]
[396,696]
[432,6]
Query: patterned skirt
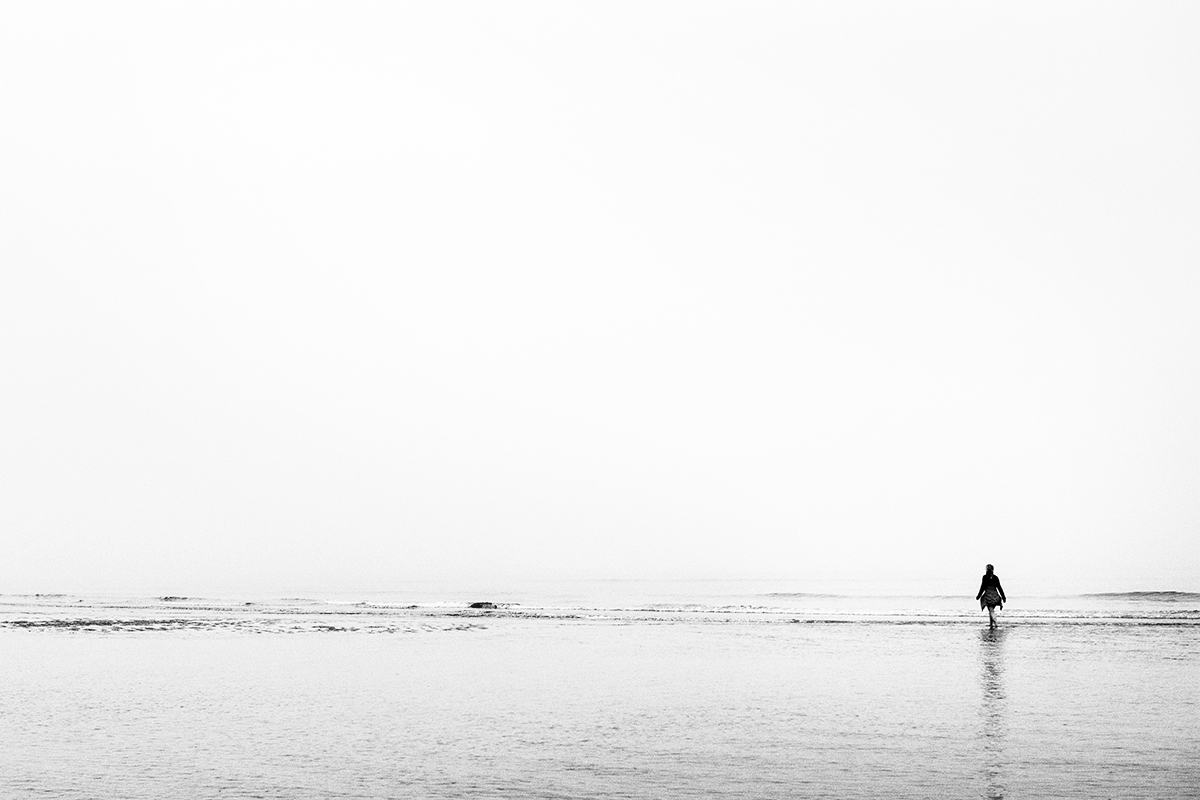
[991,597]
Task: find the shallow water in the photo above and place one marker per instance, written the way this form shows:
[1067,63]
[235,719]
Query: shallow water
[598,691]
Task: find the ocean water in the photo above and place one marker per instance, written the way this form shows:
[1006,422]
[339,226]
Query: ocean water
[599,690]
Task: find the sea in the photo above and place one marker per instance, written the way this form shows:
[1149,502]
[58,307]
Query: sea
[602,689]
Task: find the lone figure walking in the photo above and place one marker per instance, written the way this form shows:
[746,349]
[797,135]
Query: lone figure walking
[991,595]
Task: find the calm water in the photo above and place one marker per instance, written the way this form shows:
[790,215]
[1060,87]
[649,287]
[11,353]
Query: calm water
[599,690]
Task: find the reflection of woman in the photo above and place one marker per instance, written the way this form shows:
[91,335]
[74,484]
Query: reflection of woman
[991,595]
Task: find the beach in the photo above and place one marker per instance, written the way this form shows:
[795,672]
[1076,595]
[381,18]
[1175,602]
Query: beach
[611,693]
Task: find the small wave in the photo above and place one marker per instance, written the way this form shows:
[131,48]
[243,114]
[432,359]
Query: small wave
[1166,597]
[105,625]
[691,608]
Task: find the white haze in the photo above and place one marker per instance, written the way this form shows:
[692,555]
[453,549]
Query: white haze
[352,294]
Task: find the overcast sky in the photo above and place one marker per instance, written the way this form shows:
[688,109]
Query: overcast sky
[351,294]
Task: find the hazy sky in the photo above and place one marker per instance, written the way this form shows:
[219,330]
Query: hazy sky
[349,294]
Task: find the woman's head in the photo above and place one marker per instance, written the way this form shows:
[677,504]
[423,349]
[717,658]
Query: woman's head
[989,569]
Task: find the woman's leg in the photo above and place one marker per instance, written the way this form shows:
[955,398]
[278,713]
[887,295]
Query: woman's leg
[991,616]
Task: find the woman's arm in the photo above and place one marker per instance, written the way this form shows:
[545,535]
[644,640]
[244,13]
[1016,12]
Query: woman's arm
[982,586]
[1000,589]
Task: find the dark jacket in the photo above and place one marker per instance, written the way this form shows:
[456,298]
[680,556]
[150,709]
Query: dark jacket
[991,582]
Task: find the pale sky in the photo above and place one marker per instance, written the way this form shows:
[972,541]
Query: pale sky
[352,294]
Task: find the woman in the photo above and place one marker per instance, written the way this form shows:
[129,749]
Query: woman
[991,595]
